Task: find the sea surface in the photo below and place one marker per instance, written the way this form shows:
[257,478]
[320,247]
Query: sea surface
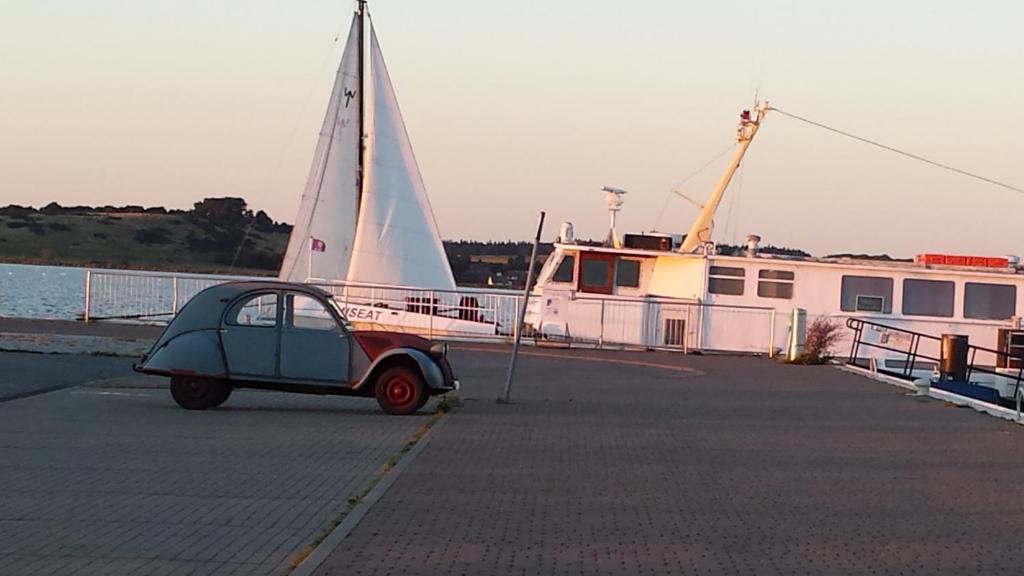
[41,291]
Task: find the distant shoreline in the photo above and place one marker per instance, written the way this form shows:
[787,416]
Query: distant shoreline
[65,263]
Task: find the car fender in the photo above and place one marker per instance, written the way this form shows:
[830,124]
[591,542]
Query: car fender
[431,372]
[196,352]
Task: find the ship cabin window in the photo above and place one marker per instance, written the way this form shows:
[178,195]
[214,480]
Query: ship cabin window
[866,294]
[596,273]
[564,272]
[928,298]
[726,280]
[990,301]
[627,273]
[775,284]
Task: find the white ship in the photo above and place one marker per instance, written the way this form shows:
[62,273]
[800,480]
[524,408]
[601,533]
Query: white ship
[662,292]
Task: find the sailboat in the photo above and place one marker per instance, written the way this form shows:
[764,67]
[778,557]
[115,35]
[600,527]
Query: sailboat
[365,223]
[364,215]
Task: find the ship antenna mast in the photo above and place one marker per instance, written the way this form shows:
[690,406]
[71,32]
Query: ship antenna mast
[360,91]
[700,232]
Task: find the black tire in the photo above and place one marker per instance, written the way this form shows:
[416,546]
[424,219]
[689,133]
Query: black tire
[195,393]
[227,388]
[423,402]
[400,391]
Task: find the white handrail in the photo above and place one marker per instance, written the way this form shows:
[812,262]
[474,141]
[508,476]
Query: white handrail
[465,313]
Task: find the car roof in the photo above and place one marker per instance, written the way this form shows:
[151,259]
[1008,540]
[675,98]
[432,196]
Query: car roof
[205,309]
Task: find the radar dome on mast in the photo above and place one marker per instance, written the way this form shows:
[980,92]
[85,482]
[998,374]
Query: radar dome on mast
[613,197]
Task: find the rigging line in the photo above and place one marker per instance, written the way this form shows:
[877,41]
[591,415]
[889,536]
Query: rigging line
[668,195]
[901,152]
[274,172]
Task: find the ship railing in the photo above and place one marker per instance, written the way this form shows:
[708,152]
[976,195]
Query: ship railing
[460,314]
[913,356]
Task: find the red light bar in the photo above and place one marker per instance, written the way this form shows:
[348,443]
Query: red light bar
[954,260]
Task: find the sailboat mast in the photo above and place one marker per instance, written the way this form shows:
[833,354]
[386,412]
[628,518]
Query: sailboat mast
[361,90]
[700,232]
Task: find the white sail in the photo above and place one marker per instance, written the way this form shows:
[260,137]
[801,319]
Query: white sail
[397,241]
[329,203]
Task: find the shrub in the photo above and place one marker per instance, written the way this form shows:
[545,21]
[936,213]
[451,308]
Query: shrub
[823,334]
[155,235]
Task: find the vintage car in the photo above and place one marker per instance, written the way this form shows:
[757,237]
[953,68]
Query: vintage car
[290,337]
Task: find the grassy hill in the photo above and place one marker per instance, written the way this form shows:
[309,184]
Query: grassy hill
[217,235]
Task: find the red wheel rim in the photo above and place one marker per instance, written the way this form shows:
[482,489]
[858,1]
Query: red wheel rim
[400,391]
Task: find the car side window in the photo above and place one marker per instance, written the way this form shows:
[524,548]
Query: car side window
[259,310]
[307,313]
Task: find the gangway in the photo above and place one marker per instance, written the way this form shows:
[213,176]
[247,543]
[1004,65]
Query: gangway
[913,359]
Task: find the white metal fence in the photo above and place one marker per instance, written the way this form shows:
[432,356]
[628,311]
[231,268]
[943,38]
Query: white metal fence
[475,314]
[143,296]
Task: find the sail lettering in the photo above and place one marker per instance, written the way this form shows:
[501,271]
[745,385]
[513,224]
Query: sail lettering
[349,95]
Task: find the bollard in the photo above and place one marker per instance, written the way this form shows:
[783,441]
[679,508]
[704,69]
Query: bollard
[953,362]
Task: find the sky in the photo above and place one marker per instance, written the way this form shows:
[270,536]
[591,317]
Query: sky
[515,107]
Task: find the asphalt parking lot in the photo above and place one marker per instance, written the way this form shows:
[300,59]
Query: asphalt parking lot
[101,473]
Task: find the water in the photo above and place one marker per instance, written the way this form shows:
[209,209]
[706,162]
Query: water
[41,291]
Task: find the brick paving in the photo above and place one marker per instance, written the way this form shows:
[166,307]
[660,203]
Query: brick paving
[119,480]
[748,467]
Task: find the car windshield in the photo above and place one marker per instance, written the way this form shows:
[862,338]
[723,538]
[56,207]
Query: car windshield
[341,313]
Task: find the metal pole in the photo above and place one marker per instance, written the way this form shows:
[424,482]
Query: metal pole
[88,294]
[600,337]
[522,313]
[771,337]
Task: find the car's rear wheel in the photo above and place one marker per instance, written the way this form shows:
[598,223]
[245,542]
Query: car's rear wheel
[224,395]
[195,393]
[400,390]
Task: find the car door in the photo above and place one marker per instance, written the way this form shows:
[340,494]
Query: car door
[250,335]
[313,345]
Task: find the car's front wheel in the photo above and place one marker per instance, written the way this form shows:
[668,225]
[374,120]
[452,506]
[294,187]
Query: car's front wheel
[400,390]
[194,393]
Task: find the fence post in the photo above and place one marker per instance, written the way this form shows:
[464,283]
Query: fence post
[88,294]
[430,310]
[174,297]
[1019,394]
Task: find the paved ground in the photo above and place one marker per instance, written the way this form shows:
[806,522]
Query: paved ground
[73,328]
[616,463]
[70,337]
[607,467]
[119,480]
[23,374]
